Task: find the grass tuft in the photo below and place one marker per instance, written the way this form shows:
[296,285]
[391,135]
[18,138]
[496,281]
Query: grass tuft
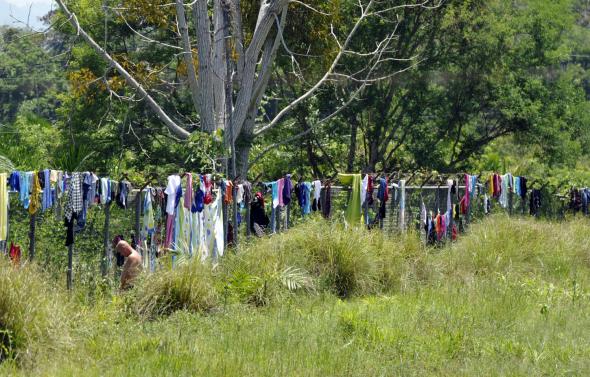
[187,287]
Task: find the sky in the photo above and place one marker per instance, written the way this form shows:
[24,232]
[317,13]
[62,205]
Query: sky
[20,8]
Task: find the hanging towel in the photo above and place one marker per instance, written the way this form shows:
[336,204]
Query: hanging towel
[149,226]
[188,192]
[280,187]
[287,188]
[36,190]
[364,187]
[353,214]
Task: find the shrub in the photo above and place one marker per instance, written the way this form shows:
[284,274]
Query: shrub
[186,287]
[343,260]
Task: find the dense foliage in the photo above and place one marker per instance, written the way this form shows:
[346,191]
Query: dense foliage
[479,85]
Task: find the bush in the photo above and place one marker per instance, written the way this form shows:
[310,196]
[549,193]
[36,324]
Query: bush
[344,262]
[186,287]
[32,315]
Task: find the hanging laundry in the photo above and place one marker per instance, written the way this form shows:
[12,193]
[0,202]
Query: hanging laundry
[25,188]
[523,188]
[327,200]
[228,192]
[74,204]
[353,213]
[258,217]
[36,191]
[503,198]
[535,202]
[207,187]
[585,193]
[287,188]
[423,216]
[149,225]
[240,194]
[122,193]
[4,204]
[171,191]
[364,187]
[199,202]
[274,193]
[383,196]
[370,189]
[14,254]
[182,228]
[467,197]
[280,187]
[14,181]
[103,190]
[188,192]
[575,200]
[213,227]
[307,198]
[317,189]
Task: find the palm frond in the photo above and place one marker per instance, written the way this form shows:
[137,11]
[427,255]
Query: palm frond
[296,278]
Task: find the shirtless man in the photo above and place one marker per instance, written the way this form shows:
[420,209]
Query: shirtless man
[132,266]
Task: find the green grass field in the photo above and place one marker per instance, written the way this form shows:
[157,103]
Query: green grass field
[510,298]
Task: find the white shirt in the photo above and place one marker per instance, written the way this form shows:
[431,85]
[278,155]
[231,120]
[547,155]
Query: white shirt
[317,187]
[173,183]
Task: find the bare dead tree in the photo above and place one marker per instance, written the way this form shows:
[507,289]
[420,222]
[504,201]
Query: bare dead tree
[227,93]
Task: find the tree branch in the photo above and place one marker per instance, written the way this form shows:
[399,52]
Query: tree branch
[188,54]
[172,126]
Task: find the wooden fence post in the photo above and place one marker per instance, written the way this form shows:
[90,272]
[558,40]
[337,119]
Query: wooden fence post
[107,256]
[137,227]
[32,226]
[287,216]
[248,230]
[70,264]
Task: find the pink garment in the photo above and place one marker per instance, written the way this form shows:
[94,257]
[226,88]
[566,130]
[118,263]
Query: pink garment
[188,193]
[467,193]
[169,230]
[280,186]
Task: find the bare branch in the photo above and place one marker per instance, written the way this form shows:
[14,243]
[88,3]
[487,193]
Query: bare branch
[172,126]
[326,76]
[142,36]
[309,7]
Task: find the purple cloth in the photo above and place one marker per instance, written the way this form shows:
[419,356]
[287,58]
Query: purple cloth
[287,188]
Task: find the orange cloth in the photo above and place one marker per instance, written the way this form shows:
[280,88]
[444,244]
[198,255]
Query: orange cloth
[229,192]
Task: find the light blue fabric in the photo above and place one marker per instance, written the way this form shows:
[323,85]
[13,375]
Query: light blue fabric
[517,185]
[25,187]
[47,199]
[307,195]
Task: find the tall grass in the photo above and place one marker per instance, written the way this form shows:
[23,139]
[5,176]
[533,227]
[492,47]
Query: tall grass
[33,315]
[510,297]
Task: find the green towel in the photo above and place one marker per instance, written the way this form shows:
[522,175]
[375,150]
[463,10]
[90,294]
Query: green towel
[353,210]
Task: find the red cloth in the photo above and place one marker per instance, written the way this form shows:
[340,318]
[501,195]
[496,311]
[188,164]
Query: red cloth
[454,233]
[14,253]
[208,198]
